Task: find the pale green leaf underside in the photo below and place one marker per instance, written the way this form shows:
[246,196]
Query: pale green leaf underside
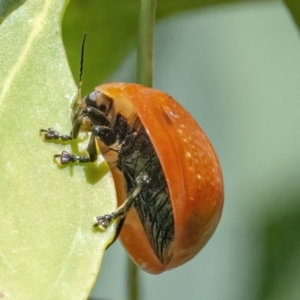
[48,247]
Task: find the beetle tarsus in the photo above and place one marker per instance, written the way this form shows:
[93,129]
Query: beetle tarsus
[66,158]
[51,134]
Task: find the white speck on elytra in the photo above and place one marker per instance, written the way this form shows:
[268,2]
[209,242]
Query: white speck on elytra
[172,114]
[188,154]
[199,176]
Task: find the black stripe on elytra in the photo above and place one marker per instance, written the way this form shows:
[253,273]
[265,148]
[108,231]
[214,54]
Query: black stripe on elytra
[153,203]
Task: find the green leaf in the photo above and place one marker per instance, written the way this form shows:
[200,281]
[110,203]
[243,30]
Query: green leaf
[49,248]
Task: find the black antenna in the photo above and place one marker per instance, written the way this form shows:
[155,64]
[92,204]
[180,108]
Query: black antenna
[81,67]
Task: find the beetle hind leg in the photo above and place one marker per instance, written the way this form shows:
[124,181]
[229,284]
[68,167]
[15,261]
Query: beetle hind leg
[105,221]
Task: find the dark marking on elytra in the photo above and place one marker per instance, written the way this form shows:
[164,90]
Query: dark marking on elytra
[153,203]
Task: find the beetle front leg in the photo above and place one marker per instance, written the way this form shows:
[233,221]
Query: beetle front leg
[51,134]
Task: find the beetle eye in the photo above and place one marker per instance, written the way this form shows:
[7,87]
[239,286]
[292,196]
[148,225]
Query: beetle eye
[91,99]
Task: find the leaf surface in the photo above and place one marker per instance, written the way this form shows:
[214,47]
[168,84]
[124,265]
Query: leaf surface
[49,248]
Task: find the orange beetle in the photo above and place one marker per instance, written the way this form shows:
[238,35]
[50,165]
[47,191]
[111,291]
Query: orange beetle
[167,175]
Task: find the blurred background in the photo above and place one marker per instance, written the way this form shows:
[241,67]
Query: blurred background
[236,68]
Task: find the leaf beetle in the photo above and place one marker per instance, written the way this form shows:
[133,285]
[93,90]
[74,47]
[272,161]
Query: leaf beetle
[167,175]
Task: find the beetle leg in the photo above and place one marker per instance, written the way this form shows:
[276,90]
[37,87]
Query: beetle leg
[104,221]
[97,131]
[66,157]
[76,127]
[51,134]
[106,134]
[96,116]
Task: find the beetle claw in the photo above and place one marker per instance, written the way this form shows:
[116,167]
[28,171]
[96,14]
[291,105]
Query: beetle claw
[104,221]
[64,158]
